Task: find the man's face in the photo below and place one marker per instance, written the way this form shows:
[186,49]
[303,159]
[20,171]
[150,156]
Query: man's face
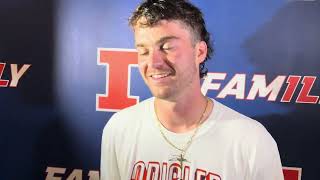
[168,58]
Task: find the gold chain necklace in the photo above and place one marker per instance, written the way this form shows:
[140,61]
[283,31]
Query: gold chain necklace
[180,158]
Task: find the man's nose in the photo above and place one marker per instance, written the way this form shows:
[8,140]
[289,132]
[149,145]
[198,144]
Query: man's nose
[156,59]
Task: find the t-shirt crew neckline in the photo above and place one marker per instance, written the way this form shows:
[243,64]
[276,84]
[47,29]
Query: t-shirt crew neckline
[204,127]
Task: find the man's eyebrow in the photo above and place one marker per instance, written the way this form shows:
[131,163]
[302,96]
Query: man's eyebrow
[166,38]
[160,41]
[140,45]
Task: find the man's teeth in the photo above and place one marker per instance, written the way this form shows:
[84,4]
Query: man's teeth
[160,75]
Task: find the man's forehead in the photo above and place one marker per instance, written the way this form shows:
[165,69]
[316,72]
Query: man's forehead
[161,31]
[158,41]
[143,22]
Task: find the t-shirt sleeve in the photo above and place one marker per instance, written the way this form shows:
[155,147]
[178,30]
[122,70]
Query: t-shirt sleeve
[109,166]
[264,158]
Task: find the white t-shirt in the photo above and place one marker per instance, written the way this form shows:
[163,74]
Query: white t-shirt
[228,146]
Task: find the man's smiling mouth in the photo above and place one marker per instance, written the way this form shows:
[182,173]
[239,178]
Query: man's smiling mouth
[159,75]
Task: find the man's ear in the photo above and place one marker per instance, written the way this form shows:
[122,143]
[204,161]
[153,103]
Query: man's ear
[202,50]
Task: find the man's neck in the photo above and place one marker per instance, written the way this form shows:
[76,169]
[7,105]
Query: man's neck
[183,114]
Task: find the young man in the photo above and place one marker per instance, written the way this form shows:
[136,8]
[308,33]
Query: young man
[180,133]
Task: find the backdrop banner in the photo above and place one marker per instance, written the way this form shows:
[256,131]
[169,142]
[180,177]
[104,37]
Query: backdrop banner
[67,66]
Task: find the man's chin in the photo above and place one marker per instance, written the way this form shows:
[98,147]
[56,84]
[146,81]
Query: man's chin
[165,96]
[162,95]
[163,92]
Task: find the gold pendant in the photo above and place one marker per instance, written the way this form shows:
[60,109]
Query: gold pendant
[180,158]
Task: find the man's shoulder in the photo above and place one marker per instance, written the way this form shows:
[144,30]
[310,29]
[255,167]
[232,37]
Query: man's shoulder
[135,110]
[130,116]
[237,122]
[227,114]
